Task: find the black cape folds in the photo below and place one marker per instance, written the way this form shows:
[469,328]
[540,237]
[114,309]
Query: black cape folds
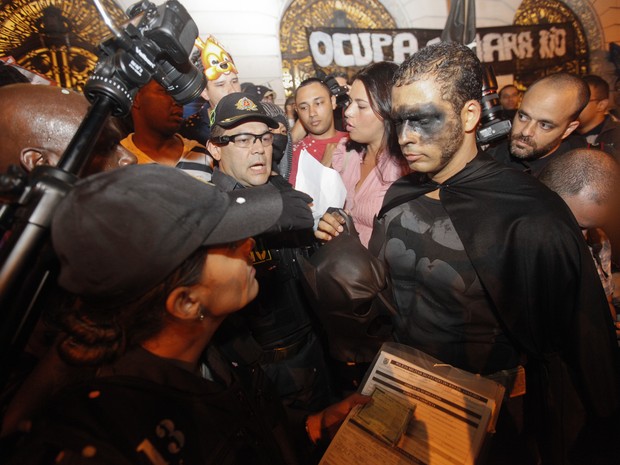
[531,258]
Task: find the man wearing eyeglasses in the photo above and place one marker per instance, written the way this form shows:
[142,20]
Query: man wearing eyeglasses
[275,330]
[241,140]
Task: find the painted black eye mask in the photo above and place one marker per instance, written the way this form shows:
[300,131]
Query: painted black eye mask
[427,121]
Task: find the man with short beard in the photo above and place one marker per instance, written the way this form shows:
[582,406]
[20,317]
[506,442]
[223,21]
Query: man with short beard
[544,123]
[489,271]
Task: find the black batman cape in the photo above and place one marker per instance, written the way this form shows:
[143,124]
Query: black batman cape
[531,258]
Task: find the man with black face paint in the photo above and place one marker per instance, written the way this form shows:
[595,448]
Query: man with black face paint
[488,269]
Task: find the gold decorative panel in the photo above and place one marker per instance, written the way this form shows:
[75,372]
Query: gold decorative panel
[296,60]
[55,38]
[546,12]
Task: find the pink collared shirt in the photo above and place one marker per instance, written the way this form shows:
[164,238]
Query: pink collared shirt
[364,202]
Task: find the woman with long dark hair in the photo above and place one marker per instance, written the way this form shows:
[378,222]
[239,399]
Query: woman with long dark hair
[369,159]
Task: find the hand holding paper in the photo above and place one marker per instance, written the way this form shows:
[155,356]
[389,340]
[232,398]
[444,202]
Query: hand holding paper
[323,184]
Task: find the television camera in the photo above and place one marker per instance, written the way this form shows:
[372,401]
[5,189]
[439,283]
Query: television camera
[155,43]
[493,126]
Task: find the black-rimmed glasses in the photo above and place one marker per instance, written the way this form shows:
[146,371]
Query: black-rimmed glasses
[245,140]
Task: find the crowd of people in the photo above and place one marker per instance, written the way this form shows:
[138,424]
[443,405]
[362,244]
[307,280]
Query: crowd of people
[183,331]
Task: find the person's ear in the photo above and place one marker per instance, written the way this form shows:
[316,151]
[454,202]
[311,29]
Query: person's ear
[601,105]
[34,156]
[470,115]
[137,100]
[333,99]
[183,304]
[571,127]
[214,150]
[204,94]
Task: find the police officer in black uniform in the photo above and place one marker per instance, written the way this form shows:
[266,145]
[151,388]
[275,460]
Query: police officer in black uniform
[276,330]
[165,279]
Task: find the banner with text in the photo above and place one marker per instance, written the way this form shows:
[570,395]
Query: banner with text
[509,49]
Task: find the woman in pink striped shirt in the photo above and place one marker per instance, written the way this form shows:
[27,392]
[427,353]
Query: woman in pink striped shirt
[369,159]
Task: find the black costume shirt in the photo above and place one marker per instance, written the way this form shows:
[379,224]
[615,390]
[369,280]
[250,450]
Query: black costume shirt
[443,309]
[533,262]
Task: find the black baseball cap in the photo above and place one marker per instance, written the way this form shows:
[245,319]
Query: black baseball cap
[237,108]
[120,233]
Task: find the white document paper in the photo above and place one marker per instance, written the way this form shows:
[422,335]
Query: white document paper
[451,418]
[321,183]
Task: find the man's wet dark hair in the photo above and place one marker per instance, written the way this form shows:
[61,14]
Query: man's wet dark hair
[454,66]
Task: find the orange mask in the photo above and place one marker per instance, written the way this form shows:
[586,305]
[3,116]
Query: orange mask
[215,59]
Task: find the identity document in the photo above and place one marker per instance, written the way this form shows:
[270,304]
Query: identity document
[423,412]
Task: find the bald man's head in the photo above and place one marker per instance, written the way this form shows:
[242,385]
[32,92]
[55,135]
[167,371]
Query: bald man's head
[37,123]
[547,115]
[587,180]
